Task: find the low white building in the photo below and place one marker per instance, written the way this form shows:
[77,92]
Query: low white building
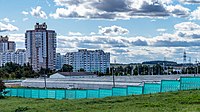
[73,75]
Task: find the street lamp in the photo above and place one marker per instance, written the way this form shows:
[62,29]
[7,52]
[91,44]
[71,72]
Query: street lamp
[113,77]
[45,81]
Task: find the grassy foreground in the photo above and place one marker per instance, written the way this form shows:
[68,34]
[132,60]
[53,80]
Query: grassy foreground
[183,101]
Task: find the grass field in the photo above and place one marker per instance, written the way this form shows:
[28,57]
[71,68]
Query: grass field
[183,101]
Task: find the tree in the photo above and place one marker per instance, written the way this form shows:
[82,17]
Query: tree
[66,68]
[2,88]
[81,70]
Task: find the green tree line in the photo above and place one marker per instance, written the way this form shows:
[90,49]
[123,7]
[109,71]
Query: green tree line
[15,71]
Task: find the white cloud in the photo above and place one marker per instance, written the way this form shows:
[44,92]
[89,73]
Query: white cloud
[188,29]
[113,30]
[37,12]
[25,13]
[117,9]
[129,49]
[17,37]
[186,26]
[195,15]
[7,27]
[92,33]
[74,34]
[25,19]
[161,30]
[178,11]
[7,20]
[190,1]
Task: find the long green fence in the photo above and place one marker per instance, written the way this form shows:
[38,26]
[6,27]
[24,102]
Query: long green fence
[185,83]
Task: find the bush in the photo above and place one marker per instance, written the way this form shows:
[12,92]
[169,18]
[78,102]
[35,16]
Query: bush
[21,109]
[2,88]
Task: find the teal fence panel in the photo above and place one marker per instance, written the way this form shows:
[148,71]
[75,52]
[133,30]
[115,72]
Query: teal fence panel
[135,90]
[20,92]
[151,88]
[170,85]
[43,93]
[14,92]
[70,94]
[119,91]
[92,93]
[60,94]
[35,93]
[27,93]
[81,94]
[188,83]
[185,83]
[105,93]
[51,93]
[9,92]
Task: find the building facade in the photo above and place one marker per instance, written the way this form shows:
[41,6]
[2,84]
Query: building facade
[58,61]
[89,60]
[18,57]
[40,46]
[6,45]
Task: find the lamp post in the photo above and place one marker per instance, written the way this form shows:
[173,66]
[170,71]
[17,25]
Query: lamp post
[113,77]
[45,81]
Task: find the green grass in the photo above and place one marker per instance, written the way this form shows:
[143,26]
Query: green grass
[182,101]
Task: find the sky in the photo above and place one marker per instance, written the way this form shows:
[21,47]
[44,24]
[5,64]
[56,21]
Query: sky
[131,30]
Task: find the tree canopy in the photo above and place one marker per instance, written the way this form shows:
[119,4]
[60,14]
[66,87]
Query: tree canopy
[66,68]
[12,71]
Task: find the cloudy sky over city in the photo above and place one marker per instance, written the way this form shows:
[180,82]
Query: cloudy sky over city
[131,30]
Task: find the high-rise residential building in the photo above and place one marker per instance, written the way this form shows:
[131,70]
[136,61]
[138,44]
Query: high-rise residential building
[89,60]
[18,57]
[7,57]
[41,47]
[6,45]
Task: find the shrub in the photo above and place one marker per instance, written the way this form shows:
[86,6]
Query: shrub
[2,88]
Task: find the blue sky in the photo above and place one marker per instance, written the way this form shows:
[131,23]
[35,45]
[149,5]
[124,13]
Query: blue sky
[131,30]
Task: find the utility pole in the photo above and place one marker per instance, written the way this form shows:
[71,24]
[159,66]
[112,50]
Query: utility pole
[45,82]
[113,77]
